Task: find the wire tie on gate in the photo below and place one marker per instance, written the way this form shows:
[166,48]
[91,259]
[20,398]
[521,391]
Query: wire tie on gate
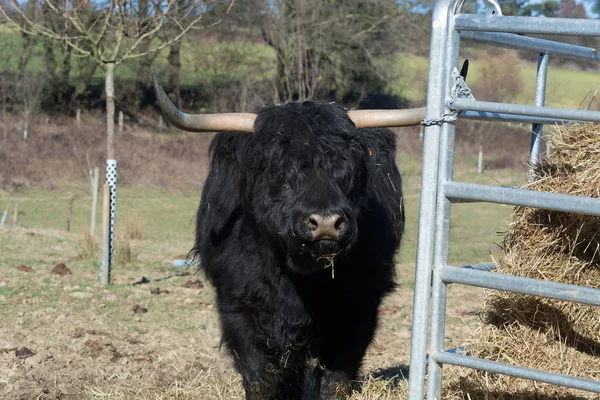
[460,90]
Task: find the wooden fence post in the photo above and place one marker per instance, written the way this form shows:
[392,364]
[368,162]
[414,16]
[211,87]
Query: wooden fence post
[105,266]
[70,210]
[121,122]
[15,215]
[94,201]
[4,121]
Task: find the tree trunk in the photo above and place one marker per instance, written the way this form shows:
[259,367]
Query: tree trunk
[28,41]
[85,74]
[62,75]
[145,92]
[4,121]
[50,66]
[109,87]
[25,55]
[57,88]
[174,69]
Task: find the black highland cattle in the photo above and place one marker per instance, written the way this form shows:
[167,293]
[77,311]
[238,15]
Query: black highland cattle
[297,230]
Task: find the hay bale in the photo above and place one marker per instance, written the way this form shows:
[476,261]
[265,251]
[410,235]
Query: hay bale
[539,333]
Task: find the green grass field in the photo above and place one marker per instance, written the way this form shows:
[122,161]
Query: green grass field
[169,218]
[565,87]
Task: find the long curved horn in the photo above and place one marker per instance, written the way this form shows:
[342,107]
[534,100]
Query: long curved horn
[244,122]
[240,122]
[387,118]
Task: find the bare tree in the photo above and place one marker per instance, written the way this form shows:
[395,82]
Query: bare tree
[109,33]
[28,95]
[4,121]
[6,52]
[325,47]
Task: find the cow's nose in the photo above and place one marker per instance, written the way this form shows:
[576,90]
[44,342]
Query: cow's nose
[327,226]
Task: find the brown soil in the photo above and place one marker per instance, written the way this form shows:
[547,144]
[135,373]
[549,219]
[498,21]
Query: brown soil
[193,284]
[60,270]
[24,268]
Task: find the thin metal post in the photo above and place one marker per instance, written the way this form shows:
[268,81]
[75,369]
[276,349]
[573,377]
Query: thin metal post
[540,97]
[442,229]
[436,109]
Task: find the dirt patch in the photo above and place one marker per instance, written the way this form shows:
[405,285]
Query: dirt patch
[159,291]
[142,281]
[60,269]
[193,284]
[25,268]
[24,352]
[137,309]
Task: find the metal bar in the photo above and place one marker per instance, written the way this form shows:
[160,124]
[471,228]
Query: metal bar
[518,42]
[442,229]
[436,109]
[540,98]
[522,109]
[517,372]
[524,119]
[461,192]
[481,266]
[518,284]
[531,25]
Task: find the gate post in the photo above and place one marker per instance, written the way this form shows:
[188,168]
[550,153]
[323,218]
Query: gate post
[434,119]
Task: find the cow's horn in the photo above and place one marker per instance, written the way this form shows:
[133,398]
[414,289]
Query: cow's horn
[388,118]
[241,122]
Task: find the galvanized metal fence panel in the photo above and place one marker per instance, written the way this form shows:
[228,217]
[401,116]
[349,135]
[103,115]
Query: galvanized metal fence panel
[446,102]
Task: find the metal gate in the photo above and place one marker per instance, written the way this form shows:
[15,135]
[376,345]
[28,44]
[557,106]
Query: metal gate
[448,99]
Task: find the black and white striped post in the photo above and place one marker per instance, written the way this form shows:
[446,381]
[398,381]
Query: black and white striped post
[111,181]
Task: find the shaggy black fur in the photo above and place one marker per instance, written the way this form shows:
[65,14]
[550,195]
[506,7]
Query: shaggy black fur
[297,314]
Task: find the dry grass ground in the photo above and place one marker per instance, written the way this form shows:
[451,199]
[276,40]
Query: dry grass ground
[94,342]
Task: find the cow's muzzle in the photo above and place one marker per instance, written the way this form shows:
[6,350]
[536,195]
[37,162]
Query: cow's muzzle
[326,226]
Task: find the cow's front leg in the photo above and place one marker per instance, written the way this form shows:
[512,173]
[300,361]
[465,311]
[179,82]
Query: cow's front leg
[335,385]
[267,372]
[344,349]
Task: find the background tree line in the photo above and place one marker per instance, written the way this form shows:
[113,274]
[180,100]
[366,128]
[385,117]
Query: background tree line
[236,56]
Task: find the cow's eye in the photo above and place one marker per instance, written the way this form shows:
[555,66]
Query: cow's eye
[344,177]
[278,191]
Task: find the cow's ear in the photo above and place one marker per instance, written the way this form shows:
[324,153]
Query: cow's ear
[384,202]
[223,193]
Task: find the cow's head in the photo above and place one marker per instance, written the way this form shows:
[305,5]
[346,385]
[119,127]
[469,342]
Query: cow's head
[308,177]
